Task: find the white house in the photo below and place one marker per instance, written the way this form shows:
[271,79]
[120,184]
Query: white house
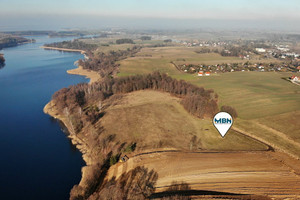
[295,78]
[260,50]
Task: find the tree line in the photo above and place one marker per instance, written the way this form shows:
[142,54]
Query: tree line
[124,41]
[146,38]
[74,44]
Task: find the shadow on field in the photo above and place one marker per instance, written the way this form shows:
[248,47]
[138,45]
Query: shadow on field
[183,191]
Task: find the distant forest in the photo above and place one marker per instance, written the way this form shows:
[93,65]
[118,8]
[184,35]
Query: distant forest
[11,41]
[105,63]
[74,44]
[146,38]
[124,41]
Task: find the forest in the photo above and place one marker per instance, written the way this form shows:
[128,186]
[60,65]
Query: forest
[74,44]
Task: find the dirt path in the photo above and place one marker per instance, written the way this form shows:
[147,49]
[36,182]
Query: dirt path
[176,67]
[279,134]
[252,136]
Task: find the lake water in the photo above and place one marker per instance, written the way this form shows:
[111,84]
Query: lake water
[37,160]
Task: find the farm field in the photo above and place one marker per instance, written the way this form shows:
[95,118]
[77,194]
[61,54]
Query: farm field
[258,173]
[259,97]
[109,44]
[253,94]
[160,58]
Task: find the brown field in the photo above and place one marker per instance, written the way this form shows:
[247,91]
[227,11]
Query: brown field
[257,173]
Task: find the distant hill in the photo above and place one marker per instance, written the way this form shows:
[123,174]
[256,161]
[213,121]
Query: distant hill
[11,41]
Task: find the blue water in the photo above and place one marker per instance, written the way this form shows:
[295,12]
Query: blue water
[37,160]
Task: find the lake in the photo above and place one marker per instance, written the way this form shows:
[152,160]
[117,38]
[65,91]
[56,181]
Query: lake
[37,159]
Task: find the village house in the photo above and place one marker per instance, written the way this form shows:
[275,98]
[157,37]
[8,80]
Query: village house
[260,50]
[200,73]
[295,78]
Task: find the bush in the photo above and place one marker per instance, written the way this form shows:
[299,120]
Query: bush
[230,110]
[113,160]
[130,148]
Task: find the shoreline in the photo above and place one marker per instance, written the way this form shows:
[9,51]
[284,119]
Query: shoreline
[64,49]
[92,75]
[50,109]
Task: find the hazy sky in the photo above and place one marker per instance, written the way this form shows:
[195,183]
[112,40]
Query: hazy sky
[40,12]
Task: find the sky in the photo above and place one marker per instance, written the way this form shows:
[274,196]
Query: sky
[80,13]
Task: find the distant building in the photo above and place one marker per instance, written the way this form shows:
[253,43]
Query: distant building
[200,73]
[192,69]
[124,158]
[260,50]
[295,78]
[283,49]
